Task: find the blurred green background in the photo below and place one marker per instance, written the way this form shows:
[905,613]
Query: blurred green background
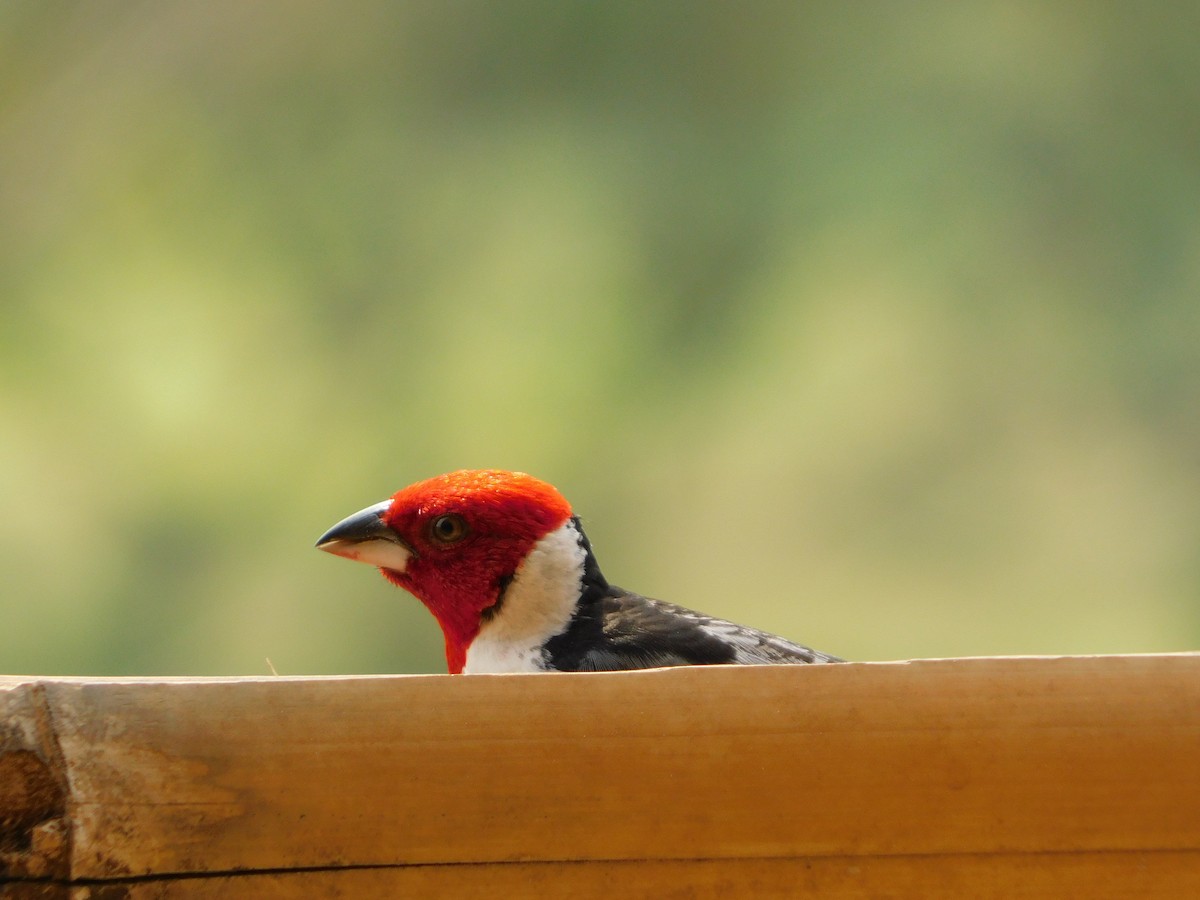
[872,324]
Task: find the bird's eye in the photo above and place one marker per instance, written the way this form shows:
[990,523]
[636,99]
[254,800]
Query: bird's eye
[448,529]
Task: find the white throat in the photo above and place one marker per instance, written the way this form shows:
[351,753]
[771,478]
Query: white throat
[538,604]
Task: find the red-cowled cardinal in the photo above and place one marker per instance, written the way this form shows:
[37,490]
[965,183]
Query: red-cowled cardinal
[503,564]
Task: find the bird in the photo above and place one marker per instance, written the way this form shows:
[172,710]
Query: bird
[502,562]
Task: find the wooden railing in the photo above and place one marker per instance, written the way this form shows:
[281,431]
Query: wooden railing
[1014,777]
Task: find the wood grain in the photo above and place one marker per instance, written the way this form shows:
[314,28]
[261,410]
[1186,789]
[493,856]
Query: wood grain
[1096,876]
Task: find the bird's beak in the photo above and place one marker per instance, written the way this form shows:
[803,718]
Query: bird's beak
[365,537]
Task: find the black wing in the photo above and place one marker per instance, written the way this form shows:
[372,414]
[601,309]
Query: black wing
[621,630]
[615,629]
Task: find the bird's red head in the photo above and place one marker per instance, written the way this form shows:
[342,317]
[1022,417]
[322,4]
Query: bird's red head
[454,542]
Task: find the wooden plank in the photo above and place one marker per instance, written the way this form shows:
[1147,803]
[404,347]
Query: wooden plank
[948,759]
[1097,876]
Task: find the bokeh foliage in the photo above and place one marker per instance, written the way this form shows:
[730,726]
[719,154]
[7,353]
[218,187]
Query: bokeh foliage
[873,324]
